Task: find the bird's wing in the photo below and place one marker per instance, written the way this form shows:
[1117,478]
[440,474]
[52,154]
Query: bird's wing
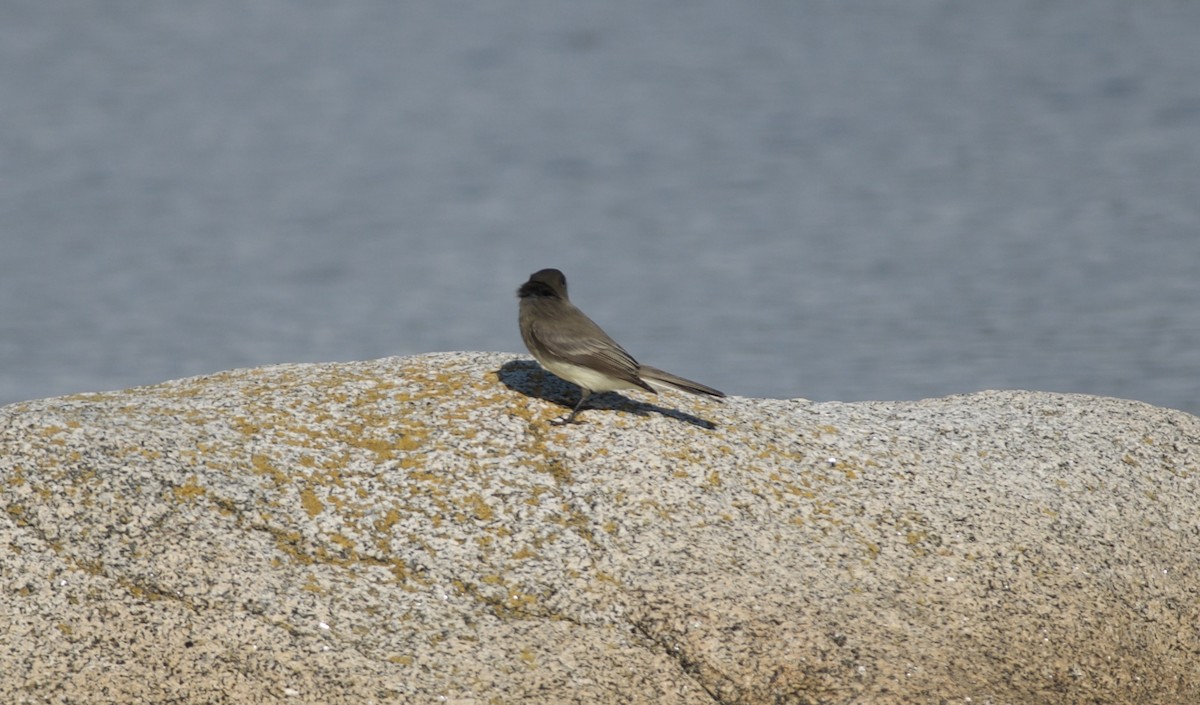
[588,345]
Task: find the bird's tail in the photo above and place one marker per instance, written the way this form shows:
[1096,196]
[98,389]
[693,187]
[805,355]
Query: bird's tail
[656,378]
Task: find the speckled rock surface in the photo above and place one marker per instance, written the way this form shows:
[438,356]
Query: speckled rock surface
[415,530]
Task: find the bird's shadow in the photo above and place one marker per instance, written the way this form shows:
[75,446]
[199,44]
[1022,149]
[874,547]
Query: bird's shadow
[528,378]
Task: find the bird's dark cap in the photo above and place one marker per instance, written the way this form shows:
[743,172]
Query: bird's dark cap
[545,282]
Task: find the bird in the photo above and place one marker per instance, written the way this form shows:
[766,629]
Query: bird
[572,346]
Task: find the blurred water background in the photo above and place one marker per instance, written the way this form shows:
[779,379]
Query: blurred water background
[831,199]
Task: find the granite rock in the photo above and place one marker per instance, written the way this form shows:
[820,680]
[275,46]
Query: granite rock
[416,530]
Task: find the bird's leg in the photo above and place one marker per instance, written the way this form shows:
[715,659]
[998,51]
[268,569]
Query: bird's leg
[583,395]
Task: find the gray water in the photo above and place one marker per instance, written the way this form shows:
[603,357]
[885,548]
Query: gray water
[832,200]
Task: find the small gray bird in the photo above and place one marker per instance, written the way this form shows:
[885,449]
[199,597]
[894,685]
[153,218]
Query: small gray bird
[573,347]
